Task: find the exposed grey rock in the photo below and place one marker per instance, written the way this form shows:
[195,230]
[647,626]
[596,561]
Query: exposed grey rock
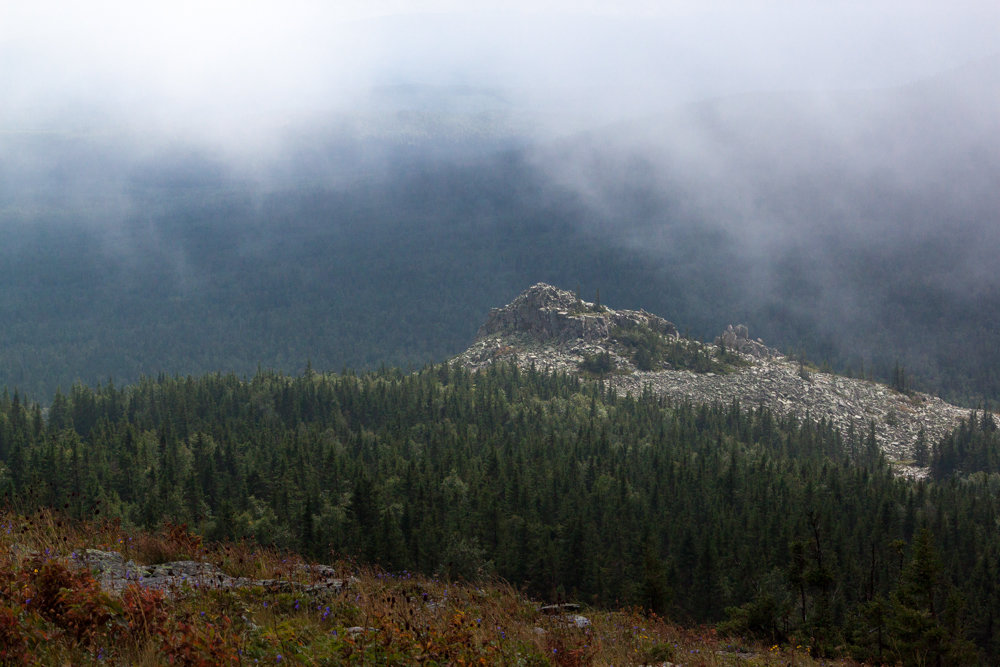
[550,329]
[549,313]
[738,339]
[846,402]
[562,611]
[115,573]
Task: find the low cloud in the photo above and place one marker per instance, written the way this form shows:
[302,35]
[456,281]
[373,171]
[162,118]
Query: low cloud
[798,142]
[205,71]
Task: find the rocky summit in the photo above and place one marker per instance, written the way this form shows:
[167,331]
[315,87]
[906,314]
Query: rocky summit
[553,329]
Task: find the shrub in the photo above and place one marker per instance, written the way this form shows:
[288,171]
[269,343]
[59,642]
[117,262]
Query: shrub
[598,364]
[71,600]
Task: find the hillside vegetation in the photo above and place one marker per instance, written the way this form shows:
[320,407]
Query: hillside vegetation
[783,529]
[635,351]
[53,611]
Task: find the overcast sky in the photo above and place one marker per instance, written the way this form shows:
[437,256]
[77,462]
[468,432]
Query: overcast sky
[200,66]
[776,173]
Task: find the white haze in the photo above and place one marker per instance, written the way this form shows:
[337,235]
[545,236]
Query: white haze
[246,84]
[799,144]
[231,73]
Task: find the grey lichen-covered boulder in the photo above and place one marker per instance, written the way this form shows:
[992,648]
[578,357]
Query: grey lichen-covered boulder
[738,339]
[565,613]
[115,573]
[548,313]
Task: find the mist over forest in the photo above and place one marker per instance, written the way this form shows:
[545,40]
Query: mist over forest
[844,212]
[201,204]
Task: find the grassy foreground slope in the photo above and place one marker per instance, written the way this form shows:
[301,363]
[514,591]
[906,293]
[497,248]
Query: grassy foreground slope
[54,612]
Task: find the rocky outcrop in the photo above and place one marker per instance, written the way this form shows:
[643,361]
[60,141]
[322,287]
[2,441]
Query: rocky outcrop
[115,573]
[548,313]
[848,403]
[566,613]
[551,329]
[738,339]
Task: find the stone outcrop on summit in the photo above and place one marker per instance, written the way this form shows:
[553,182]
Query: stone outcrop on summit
[739,339]
[546,312]
[552,329]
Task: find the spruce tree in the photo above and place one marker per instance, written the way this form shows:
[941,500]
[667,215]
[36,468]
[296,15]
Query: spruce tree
[918,636]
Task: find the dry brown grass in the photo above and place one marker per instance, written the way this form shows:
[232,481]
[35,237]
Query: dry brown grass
[382,618]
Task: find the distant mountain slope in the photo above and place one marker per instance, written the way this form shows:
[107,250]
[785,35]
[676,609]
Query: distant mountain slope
[858,229]
[858,226]
[549,328]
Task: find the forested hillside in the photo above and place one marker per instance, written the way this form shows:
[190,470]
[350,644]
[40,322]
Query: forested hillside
[825,223]
[779,528]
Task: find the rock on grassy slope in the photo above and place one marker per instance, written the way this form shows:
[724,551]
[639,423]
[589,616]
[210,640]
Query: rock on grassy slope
[552,329]
[59,609]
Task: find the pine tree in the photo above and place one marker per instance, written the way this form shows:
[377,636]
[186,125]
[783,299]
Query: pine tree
[918,636]
[921,453]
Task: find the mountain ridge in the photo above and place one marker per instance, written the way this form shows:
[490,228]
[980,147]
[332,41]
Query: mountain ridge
[633,351]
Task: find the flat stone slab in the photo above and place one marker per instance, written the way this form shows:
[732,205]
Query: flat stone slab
[115,573]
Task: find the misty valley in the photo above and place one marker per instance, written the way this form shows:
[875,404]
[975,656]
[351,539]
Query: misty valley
[250,360]
[355,253]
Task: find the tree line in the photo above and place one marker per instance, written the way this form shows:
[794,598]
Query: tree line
[775,526]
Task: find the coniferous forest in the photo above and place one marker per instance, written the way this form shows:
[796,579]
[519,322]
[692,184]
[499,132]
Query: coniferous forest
[775,527]
[205,213]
